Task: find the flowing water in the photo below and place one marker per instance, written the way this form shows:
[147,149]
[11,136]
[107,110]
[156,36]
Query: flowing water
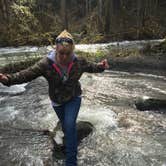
[12,54]
[122,136]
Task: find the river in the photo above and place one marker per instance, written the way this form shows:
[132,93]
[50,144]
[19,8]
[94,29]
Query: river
[122,135]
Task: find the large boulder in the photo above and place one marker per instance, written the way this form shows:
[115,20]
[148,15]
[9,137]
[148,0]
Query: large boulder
[151,104]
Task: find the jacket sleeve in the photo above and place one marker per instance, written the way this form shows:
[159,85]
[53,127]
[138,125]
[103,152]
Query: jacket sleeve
[18,66]
[92,67]
[28,74]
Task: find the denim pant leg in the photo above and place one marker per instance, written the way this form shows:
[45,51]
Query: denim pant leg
[60,113]
[71,111]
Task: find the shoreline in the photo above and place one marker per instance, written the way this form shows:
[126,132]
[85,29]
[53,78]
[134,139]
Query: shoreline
[135,56]
[156,65]
[80,43]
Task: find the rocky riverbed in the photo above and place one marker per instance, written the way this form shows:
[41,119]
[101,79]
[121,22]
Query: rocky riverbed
[122,120]
[122,134]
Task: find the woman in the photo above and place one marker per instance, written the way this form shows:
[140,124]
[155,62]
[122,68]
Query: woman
[62,69]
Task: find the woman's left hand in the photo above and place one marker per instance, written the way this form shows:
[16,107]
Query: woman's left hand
[104,63]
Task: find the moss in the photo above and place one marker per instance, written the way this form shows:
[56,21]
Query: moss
[96,57]
[163,45]
[110,52]
[93,38]
[159,49]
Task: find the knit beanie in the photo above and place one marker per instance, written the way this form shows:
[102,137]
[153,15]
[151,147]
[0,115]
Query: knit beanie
[65,38]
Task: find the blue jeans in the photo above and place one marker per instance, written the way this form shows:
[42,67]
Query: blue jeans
[67,114]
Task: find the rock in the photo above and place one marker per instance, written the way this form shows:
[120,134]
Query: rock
[156,105]
[35,146]
[25,147]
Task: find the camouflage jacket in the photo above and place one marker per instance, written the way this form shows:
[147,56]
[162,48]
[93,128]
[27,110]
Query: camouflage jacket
[59,91]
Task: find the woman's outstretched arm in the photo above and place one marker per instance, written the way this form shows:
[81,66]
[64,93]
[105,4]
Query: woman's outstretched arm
[25,75]
[18,66]
[92,67]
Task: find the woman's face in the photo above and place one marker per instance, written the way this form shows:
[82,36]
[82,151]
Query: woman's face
[64,53]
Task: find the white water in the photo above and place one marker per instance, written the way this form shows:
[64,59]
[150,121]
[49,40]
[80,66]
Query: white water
[13,90]
[81,47]
[12,50]
[122,135]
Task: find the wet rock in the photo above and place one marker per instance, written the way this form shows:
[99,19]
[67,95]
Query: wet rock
[83,130]
[156,105]
[25,147]
[36,147]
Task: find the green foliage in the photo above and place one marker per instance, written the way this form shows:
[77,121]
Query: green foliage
[26,21]
[29,3]
[23,21]
[93,38]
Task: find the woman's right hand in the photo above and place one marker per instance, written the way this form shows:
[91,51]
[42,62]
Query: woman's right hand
[3,78]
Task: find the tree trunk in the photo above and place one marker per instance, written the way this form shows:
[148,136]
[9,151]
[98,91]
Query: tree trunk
[90,6]
[139,17]
[64,14]
[87,7]
[100,18]
[100,7]
[108,16]
[4,9]
[116,6]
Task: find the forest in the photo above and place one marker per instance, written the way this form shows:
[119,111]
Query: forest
[38,22]
[108,84]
